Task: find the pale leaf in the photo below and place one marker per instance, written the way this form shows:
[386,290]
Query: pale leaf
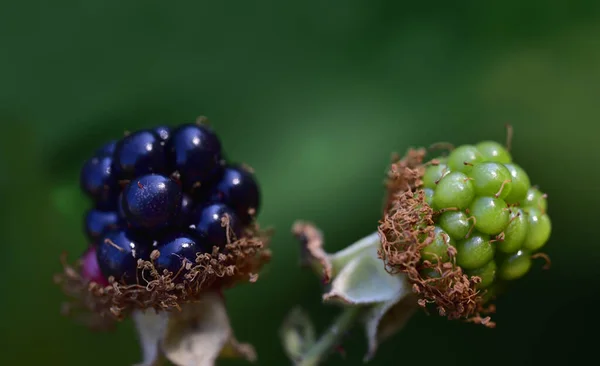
[150,327]
[199,334]
[387,318]
[364,280]
[365,246]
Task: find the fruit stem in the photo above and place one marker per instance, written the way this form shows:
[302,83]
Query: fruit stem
[331,338]
[545,257]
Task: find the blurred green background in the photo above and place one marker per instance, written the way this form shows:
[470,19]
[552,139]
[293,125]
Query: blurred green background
[315,95]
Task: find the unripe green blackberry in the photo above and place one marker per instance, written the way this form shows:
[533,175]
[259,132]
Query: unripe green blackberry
[481,220]
[516,265]
[487,273]
[438,249]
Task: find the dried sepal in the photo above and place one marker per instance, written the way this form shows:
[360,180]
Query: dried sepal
[241,261]
[406,228]
[311,247]
[199,334]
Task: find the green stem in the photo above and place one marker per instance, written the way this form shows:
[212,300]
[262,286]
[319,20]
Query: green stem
[331,338]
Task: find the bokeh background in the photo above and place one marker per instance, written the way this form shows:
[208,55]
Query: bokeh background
[315,95]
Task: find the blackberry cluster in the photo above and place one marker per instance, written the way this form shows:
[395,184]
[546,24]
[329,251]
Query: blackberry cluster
[462,226]
[164,189]
[488,211]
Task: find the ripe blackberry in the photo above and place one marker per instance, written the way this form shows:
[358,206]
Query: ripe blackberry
[194,151]
[175,251]
[162,195]
[216,224]
[98,222]
[120,210]
[494,222]
[238,189]
[186,210]
[151,201]
[139,153]
[98,181]
[118,253]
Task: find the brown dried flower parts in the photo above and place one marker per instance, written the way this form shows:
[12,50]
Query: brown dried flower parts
[406,228]
[99,306]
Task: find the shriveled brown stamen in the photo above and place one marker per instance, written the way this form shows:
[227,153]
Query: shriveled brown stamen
[485,321]
[176,176]
[434,162]
[247,168]
[241,261]
[545,257]
[403,174]
[502,187]
[202,120]
[472,226]
[112,244]
[497,239]
[406,228]
[444,171]
[540,206]
[439,212]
